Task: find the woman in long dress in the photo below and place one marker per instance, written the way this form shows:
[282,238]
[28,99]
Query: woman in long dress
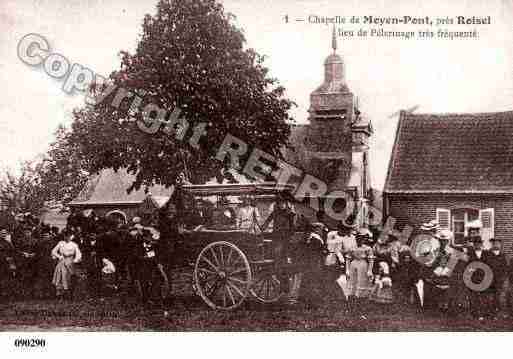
[68,254]
[360,269]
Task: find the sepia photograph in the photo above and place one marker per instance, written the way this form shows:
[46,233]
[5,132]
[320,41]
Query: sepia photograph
[255,166]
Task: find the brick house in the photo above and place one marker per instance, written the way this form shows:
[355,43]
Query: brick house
[453,168]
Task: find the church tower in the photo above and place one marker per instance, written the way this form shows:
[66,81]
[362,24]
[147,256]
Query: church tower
[334,145]
[331,114]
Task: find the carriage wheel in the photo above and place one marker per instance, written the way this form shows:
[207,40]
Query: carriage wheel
[266,287]
[222,275]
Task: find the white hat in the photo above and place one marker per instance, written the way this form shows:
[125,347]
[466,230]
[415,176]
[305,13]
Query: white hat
[474,224]
[155,234]
[429,226]
[136,220]
[365,232]
[445,234]
[108,266]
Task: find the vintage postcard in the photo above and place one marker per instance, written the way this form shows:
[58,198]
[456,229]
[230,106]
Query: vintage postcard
[255,166]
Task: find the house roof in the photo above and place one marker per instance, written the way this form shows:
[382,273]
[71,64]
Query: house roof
[452,153]
[110,187]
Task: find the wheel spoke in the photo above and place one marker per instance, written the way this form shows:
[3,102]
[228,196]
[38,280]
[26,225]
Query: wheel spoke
[224,281]
[236,289]
[210,263]
[213,289]
[221,256]
[214,256]
[205,270]
[238,280]
[208,278]
[229,259]
[230,294]
[224,298]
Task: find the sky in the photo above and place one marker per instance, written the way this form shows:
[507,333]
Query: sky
[387,74]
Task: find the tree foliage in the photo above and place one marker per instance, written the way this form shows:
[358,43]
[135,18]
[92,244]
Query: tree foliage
[55,178]
[63,171]
[191,57]
[21,192]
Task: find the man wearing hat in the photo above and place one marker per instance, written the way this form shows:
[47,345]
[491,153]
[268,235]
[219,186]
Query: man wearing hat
[477,298]
[496,259]
[473,230]
[149,263]
[441,271]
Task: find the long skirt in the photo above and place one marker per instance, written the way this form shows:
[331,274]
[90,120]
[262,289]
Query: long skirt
[63,273]
[359,283]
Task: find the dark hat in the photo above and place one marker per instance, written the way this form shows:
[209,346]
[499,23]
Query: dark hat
[343,225]
[495,240]
[146,232]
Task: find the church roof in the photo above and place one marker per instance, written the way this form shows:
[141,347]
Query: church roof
[110,187]
[331,87]
[334,81]
[333,59]
[452,153]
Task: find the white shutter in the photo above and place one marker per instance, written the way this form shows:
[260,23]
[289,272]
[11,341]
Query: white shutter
[487,217]
[443,217]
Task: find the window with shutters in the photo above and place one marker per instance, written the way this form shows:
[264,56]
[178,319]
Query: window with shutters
[460,218]
[457,220]
[487,232]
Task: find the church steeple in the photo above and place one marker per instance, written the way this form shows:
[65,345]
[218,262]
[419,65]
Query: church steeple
[334,77]
[334,40]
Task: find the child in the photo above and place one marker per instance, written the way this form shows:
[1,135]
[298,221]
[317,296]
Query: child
[382,291]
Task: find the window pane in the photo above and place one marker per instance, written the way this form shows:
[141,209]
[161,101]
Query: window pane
[472,215]
[458,215]
[459,227]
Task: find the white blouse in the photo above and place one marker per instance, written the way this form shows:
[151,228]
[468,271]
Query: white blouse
[340,245]
[67,249]
[248,217]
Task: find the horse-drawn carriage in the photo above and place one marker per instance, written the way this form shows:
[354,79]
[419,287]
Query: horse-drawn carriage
[229,264]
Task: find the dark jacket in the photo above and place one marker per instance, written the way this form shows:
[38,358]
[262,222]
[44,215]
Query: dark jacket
[283,220]
[499,266]
[8,257]
[478,275]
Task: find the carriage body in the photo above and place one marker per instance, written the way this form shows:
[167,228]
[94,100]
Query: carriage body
[229,264]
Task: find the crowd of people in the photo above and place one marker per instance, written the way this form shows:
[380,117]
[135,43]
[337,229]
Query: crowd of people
[362,265]
[38,261]
[333,266]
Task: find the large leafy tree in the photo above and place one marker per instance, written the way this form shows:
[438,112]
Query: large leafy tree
[190,56]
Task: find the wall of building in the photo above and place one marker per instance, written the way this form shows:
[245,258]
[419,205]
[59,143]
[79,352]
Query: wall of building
[416,209]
